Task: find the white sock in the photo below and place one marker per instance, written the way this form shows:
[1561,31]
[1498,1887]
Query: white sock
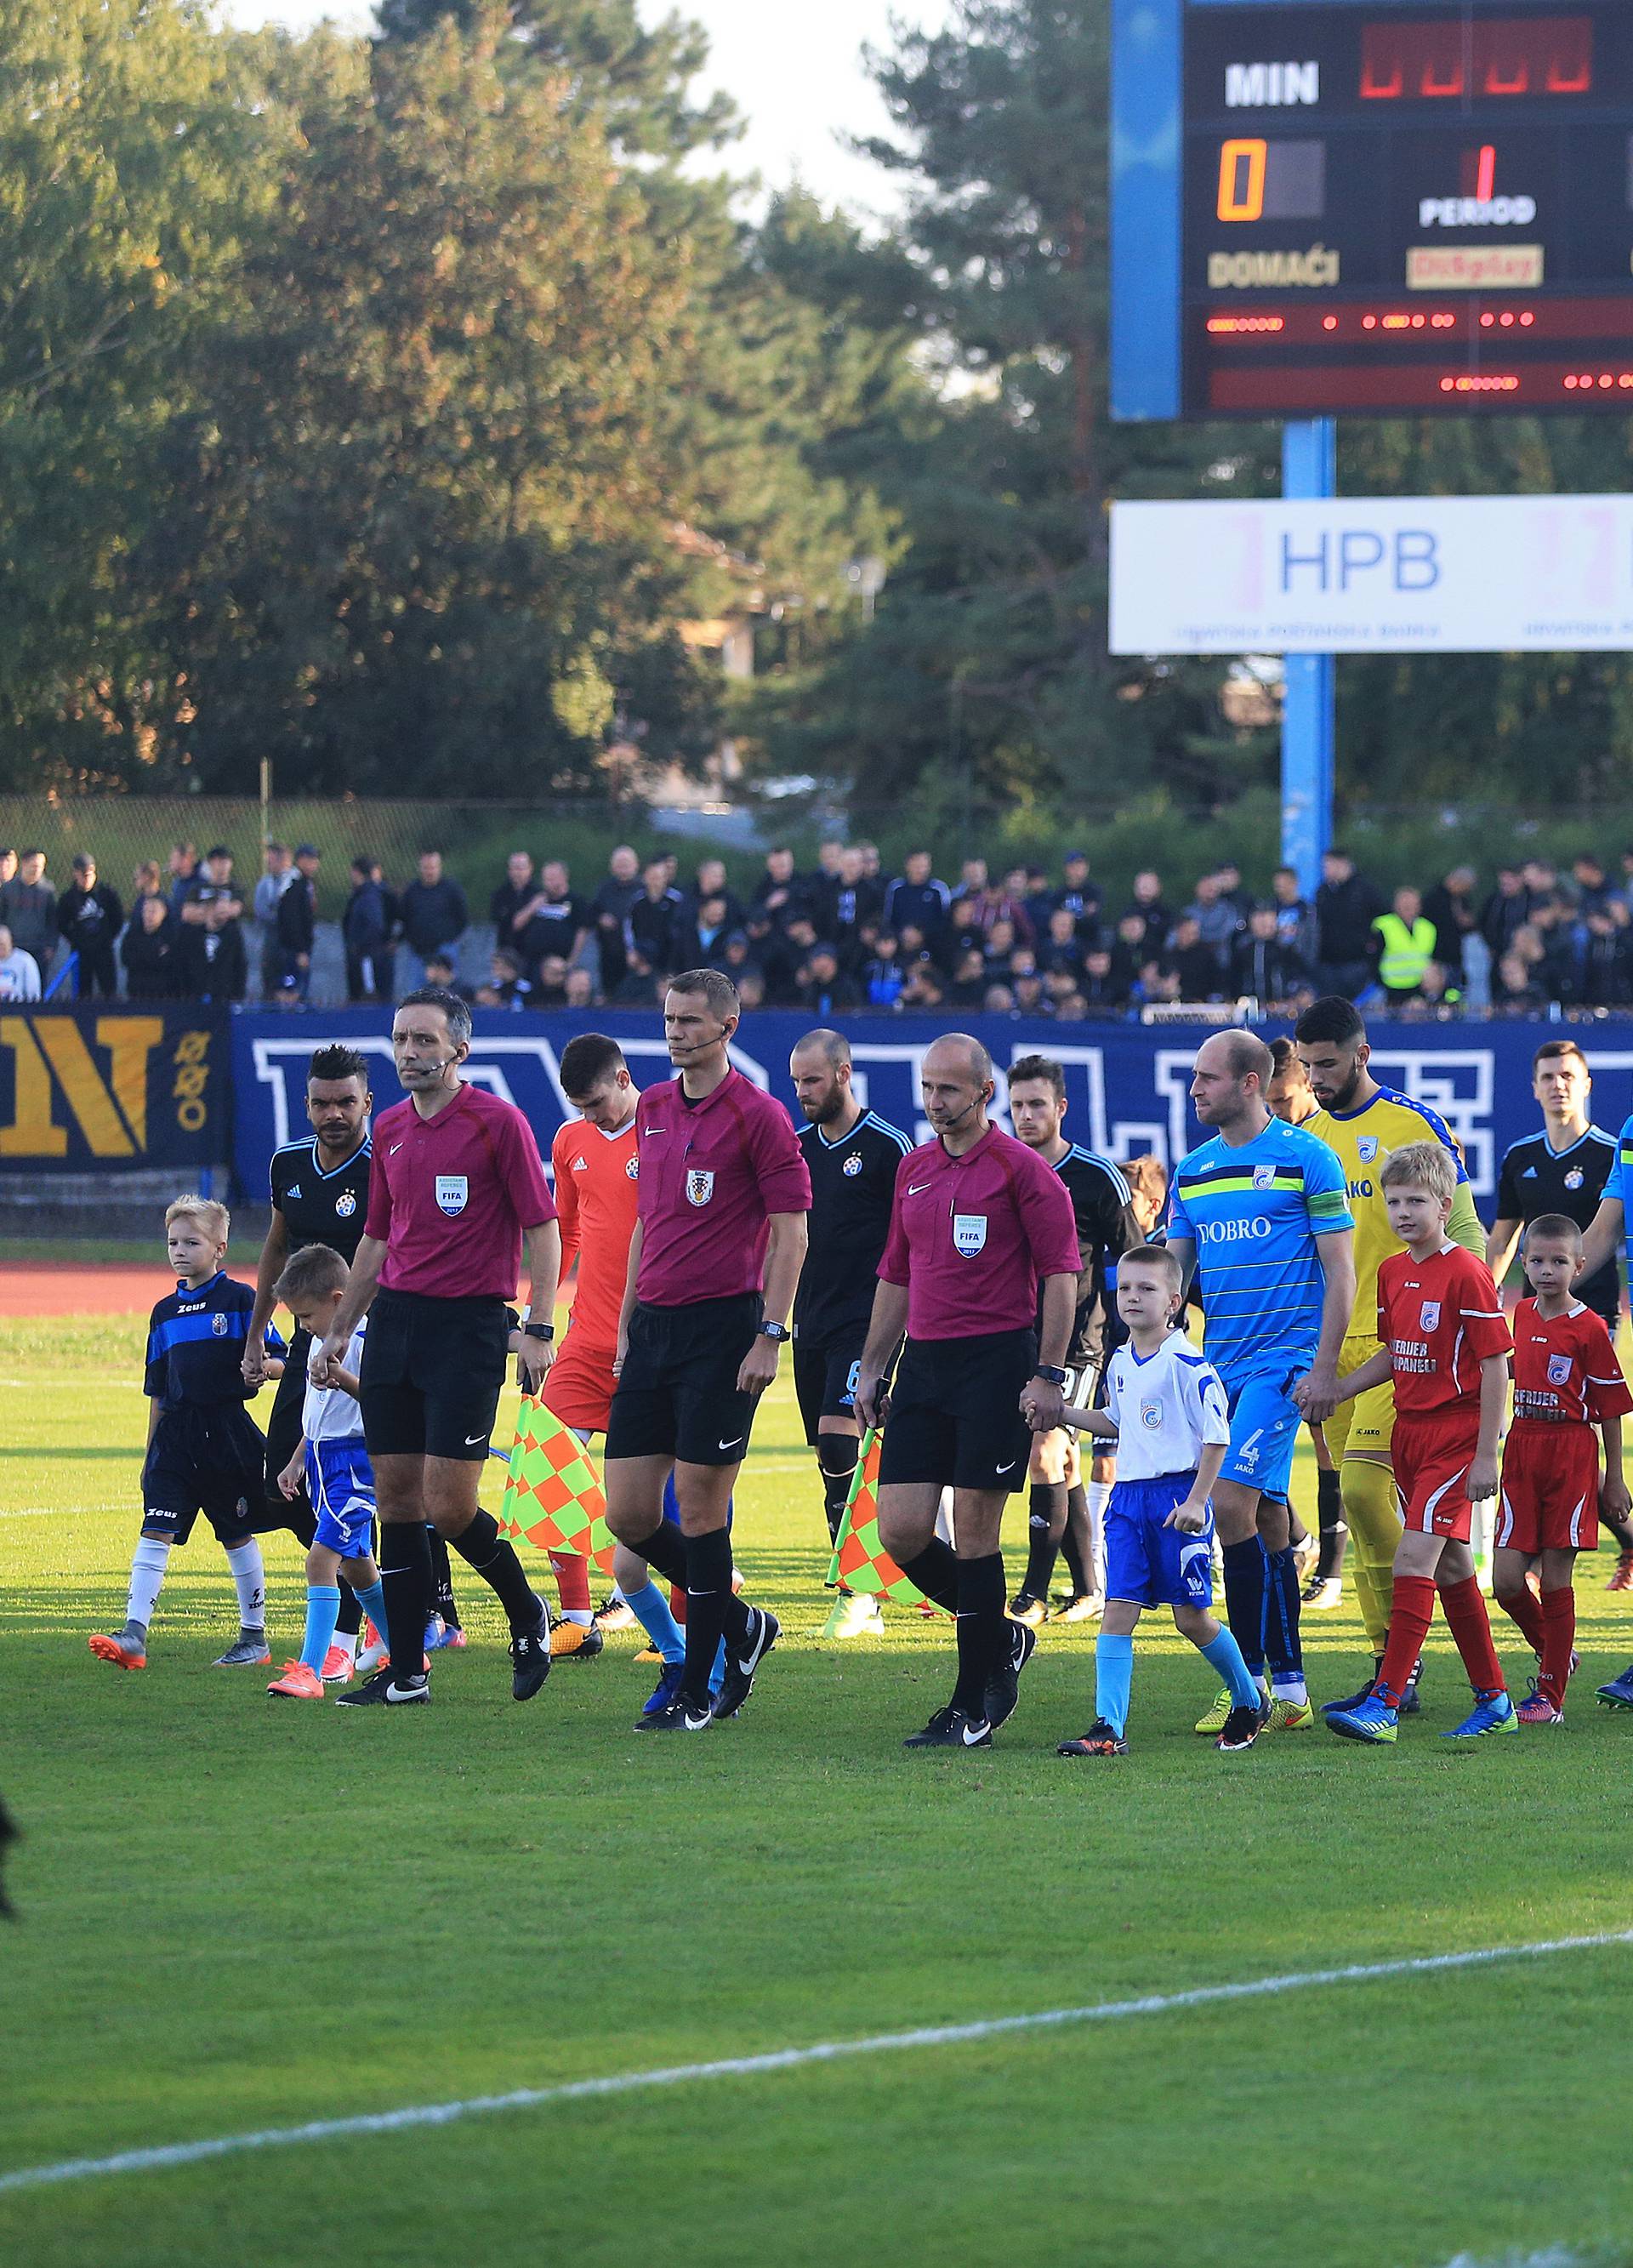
[1098,1493]
[580,1614]
[346,1641]
[148,1563]
[1289,1689]
[618,1598]
[250,1578]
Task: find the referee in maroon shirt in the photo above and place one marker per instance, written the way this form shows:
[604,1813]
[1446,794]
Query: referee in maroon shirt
[720,1241]
[978,1221]
[455,1188]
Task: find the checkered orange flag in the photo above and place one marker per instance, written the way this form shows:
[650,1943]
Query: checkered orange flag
[860,1560]
[553,1499]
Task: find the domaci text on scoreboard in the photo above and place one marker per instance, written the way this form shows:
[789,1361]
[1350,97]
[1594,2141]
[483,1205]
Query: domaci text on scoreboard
[1383,206]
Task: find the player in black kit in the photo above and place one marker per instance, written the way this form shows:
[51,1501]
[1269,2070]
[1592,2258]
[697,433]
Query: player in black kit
[852,1155]
[1106,1228]
[320,1196]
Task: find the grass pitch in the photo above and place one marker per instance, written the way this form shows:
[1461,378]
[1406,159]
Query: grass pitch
[238,1914]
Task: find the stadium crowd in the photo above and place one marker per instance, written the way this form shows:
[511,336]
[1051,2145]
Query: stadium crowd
[847,936]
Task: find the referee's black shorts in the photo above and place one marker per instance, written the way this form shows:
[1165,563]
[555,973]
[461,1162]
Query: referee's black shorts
[677,1394]
[825,1377]
[432,1372]
[954,1416]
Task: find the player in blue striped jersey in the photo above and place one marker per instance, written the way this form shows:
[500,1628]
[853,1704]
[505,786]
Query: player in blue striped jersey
[1259,1213]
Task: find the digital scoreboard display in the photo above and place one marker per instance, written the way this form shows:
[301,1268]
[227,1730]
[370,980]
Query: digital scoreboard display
[1384,206]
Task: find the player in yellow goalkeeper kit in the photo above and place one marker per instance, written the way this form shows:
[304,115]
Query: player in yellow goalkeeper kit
[1364,1122]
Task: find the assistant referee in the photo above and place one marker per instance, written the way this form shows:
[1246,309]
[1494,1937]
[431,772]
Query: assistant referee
[455,1189]
[719,1238]
[978,1222]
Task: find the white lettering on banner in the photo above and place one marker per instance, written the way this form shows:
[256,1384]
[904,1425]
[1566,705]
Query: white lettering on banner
[1531,574]
[1268,86]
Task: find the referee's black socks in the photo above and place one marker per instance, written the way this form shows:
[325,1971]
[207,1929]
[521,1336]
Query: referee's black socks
[1045,1525]
[981,1629]
[936,1571]
[836,1462]
[481,1546]
[709,1603]
[406,1580]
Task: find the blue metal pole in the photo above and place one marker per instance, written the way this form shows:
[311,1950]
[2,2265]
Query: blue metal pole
[1309,468]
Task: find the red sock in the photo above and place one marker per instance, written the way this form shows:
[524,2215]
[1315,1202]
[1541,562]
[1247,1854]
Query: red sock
[1465,1611]
[1559,1635]
[1412,1611]
[1522,1610]
[677,1603]
[572,1578]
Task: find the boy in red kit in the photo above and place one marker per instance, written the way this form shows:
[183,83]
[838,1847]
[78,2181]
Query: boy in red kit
[1446,1349]
[1567,1380]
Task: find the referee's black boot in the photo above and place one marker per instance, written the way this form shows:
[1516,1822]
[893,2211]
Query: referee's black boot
[950,1728]
[530,1658]
[1004,1685]
[383,1689]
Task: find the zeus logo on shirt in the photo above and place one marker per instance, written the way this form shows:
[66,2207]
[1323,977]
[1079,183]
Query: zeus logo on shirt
[1234,1232]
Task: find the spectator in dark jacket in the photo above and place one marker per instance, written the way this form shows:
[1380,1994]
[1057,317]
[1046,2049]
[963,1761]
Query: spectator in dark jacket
[780,892]
[365,928]
[1607,969]
[1193,963]
[148,950]
[824,991]
[1105,985]
[1295,916]
[512,901]
[883,977]
[1079,897]
[655,928]
[918,899]
[609,909]
[211,960]
[1261,966]
[297,929]
[1154,914]
[432,911]
[1504,912]
[1346,906]
[558,922]
[1450,906]
[89,917]
[28,909]
[710,882]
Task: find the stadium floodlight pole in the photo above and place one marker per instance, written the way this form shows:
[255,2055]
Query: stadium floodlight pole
[1309,469]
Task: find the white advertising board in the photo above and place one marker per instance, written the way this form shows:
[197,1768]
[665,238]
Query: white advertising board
[1374,575]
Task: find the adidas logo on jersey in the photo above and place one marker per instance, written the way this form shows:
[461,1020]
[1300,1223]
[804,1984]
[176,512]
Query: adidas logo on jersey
[294,1189]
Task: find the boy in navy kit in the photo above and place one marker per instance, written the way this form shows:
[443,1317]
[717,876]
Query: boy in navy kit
[334,1463]
[1167,1411]
[204,1452]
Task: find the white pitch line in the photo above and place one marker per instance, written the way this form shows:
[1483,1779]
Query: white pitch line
[633,2082]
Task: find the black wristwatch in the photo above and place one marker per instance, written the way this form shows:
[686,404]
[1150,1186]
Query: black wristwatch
[539,1330]
[777,1331]
[1047,1370]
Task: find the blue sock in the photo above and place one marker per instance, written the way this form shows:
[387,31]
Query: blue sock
[372,1602]
[1225,1656]
[322,1609]
[1245,1573]
[1114,1675]
[651,1609]
[716,1675]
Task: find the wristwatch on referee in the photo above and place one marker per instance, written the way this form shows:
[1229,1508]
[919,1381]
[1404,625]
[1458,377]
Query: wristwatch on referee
[1048,1370]
[775,1331]
[538,1331]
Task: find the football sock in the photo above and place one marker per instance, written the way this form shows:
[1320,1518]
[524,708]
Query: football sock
[1046,1519]
[1523,1610]
[1374,1523]
[148,1563]
[1329,1512]
[1410,1617]
[1283,1652]
[707,1597]
[1113,1676]
[981,1629]
[322,1607]
[1465,1610]
[249,1579]
[406,1580]
[665,1548]
[442,1579]
[1559,1633]
[1096,1497]
[836,1462]
[651,1609]
[1245,1585]
[572,1580]
[936,1571]
[349,1620]
[370,1601]
[1224,1654]
[481,1546]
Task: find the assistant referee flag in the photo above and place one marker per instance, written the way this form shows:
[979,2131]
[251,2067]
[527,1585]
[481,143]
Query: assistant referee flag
[553,1499]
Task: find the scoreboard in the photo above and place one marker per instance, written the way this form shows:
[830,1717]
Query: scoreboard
[1371,207]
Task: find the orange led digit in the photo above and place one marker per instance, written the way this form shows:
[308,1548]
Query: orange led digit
[1241,180]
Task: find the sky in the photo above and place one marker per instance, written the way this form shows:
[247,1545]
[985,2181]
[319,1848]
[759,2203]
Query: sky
[795,74]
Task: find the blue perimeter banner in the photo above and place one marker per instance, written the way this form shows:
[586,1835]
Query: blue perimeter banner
[1127,1084]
